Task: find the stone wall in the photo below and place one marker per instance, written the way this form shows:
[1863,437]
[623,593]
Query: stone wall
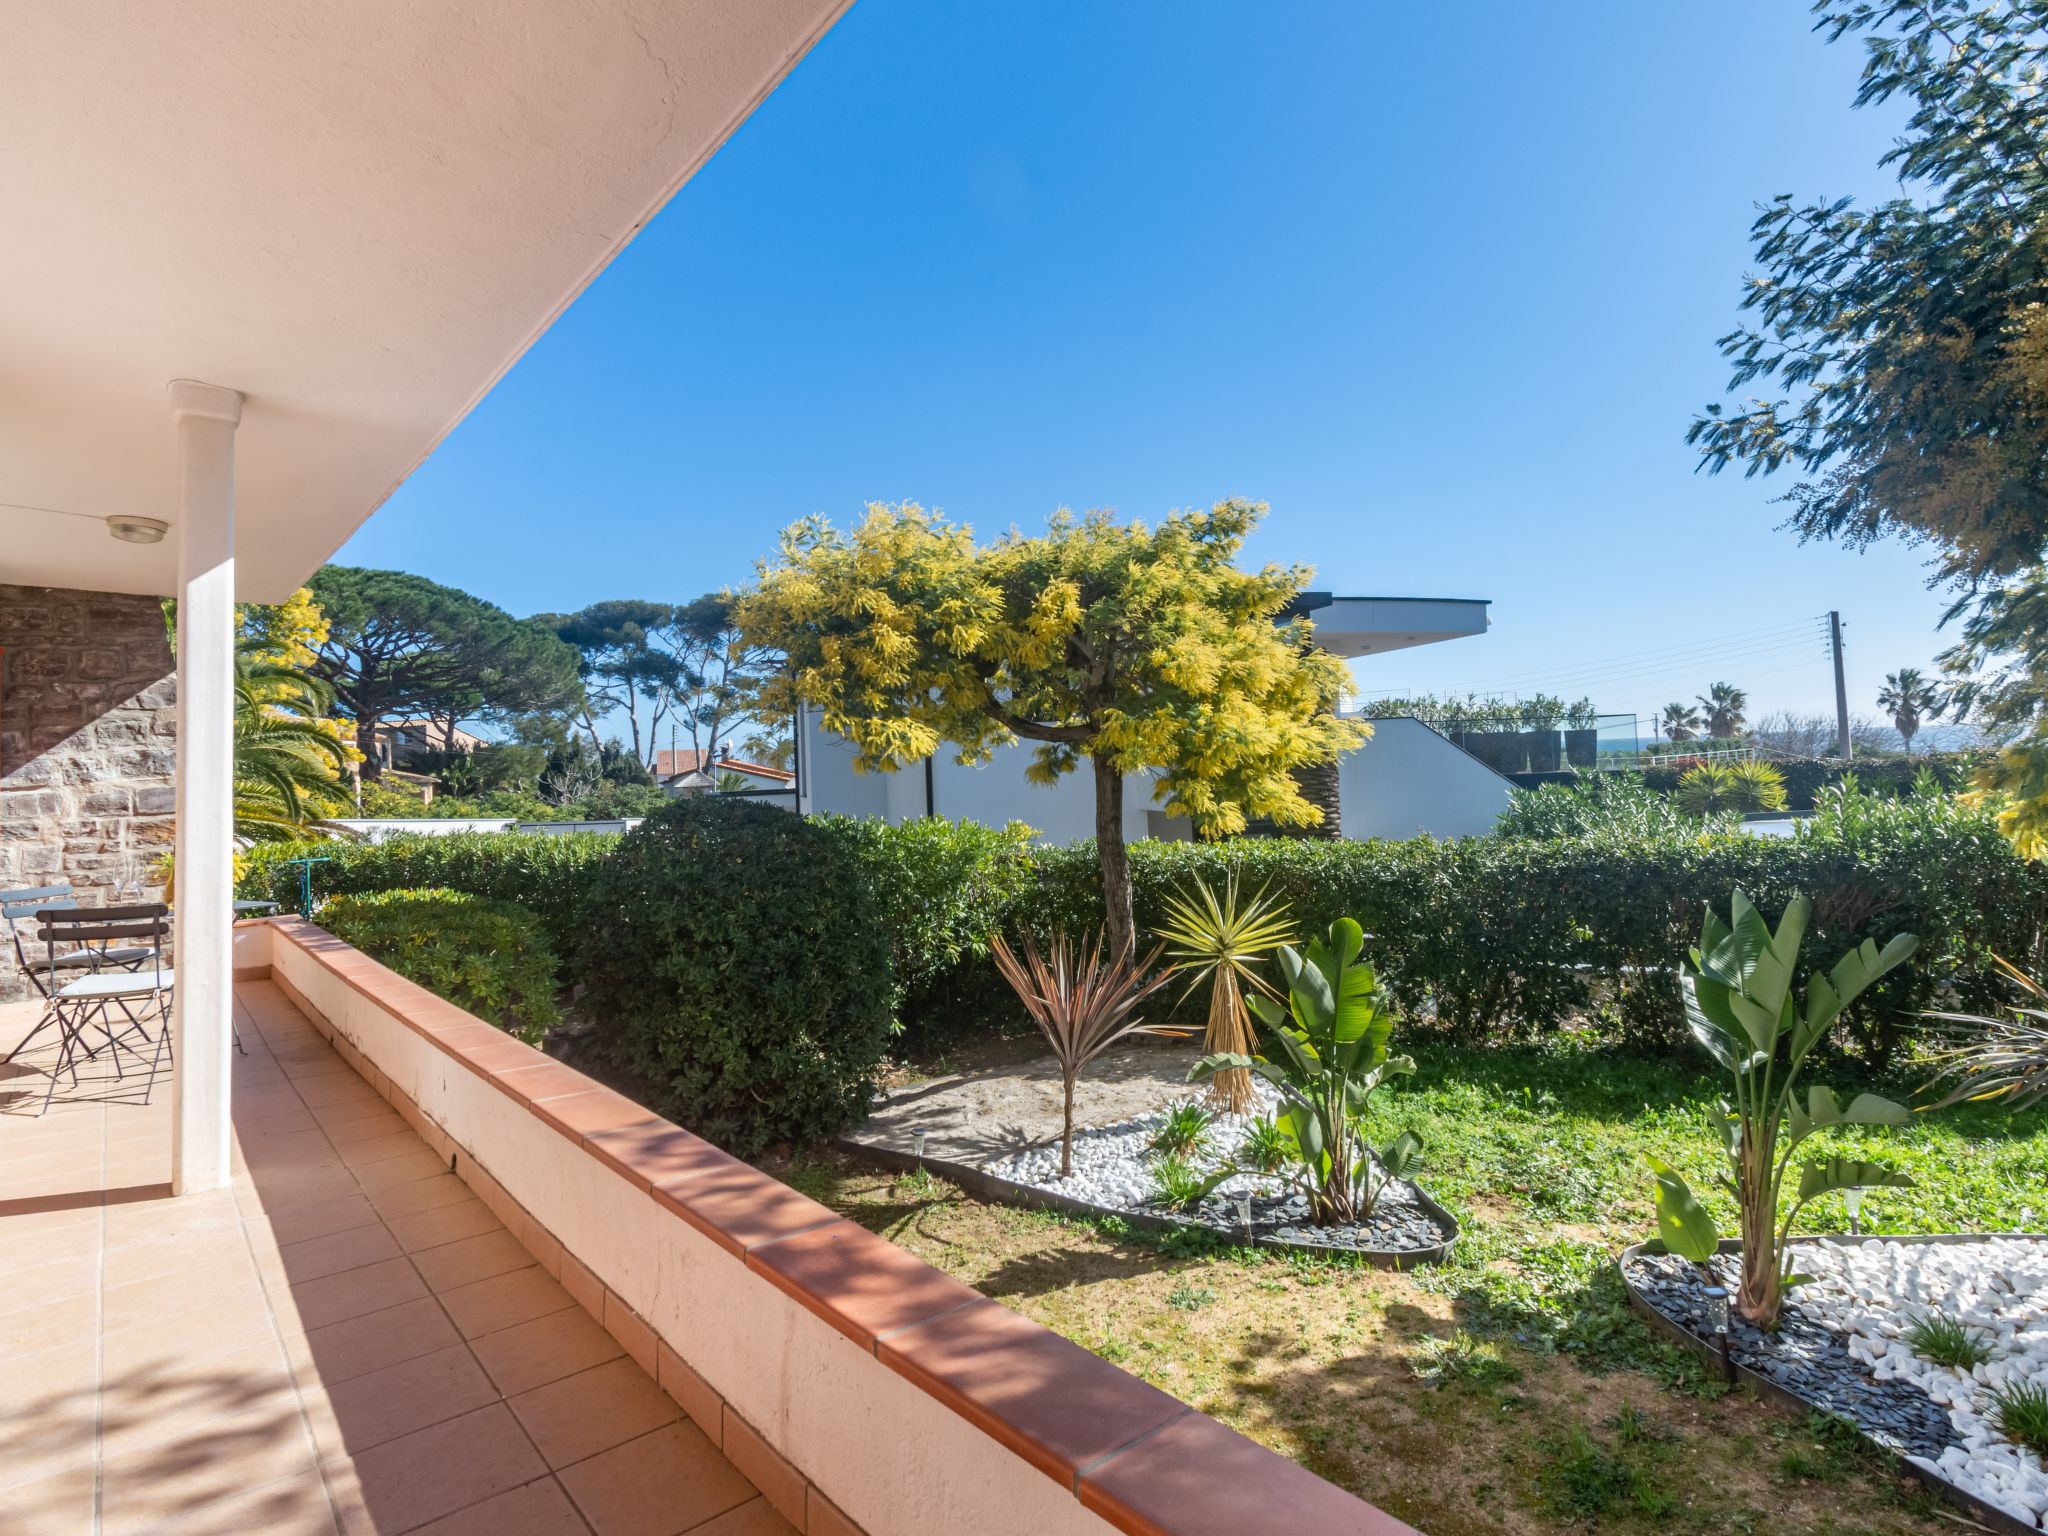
[88,722]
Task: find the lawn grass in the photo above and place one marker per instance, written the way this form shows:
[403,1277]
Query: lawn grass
[1510,1390]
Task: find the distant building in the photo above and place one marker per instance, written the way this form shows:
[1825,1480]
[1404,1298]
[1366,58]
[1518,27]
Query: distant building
[396,740]
[687,771]
[1407,780]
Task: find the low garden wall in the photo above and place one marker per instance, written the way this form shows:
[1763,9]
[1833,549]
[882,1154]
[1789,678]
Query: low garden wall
[859,1389]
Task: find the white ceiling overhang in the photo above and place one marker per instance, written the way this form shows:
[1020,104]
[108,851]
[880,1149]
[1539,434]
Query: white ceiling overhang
[359,215]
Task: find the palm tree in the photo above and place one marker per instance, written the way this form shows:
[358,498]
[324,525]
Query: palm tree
[1910,700]
[283,752]
[1681,722]
[1723,704]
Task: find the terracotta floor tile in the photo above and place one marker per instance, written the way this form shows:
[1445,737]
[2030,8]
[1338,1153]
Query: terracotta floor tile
[343,1351]
[593,1411]
[434,1472]
[353,1416]
[470,1259]
[400,1170]
[753,1518]
[544,1350]
[658,1485]
[42,1323]
[293,1506]
[74,1275]
[311,1304]
[298,1224]
[367,1128]
[224,1280]
[330,1255]
[422,1195]
[379,1149]
[144,1408]
[58,1505]
[182,1343]
[538,1509]
[504,1301]
[443,1224]
[145,1488]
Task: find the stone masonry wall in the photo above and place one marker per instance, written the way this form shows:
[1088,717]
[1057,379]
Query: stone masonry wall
[88,723]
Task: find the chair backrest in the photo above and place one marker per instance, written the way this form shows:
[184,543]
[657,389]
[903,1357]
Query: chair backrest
[145,923]
[24,902]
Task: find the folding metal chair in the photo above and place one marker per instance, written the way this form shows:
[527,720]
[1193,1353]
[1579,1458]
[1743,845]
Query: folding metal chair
[140,996]
[16,908]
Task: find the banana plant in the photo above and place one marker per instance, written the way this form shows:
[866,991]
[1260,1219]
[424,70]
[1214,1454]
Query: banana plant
[1737,988]
[1328,1053]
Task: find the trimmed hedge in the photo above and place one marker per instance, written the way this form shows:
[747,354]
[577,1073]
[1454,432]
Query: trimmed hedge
[543,872]
[736,965]
[1484,937]
[490,957]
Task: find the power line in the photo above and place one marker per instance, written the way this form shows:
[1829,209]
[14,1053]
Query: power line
[1786,631]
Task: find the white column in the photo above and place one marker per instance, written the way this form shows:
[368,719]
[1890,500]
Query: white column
[203,1002]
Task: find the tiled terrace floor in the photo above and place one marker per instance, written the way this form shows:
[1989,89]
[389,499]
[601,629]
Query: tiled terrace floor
[345,1341]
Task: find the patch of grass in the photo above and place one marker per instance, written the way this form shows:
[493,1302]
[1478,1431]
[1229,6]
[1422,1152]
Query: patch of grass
[1186,1298]
[1944,1340]
[1185,1131]
[1580,1479]
[1176,1183]
[2020,1410]
[1461,1358]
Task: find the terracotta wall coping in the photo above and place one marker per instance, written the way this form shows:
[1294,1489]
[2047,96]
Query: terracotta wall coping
[1144,1461]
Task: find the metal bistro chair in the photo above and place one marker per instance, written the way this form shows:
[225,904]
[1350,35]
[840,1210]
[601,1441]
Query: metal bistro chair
[91,1001]
[16,908]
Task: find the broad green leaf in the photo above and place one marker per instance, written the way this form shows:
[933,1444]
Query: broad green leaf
[1682,1222]
[1308,1131]
[1401,1155]
[1708,1016]
[1222,1061]
[1265,1010]
[1350,940]
[1824,1176]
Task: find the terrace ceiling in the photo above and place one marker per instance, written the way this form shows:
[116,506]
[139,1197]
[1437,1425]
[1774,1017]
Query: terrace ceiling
[359,215]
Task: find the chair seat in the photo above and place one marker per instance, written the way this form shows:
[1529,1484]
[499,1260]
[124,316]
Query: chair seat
[107,984]
[82,959]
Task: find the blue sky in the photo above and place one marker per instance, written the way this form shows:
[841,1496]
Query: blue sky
[1443,292]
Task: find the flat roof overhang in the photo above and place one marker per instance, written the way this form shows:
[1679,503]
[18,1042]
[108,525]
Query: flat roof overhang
[359,216]
[1367,626]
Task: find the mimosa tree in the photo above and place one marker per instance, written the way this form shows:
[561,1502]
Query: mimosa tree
[1137,649]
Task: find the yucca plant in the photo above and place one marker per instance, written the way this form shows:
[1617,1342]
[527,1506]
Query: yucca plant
[1330,1055]
[1082,1004]
[1221,940]
[1998,1058]
[1184,1132]
[1739,1005]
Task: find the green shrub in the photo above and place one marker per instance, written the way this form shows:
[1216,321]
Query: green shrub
[735,964]
[490,957]
[546,873]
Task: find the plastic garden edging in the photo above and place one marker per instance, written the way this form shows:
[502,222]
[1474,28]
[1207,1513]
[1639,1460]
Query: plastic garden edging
[1978,1509]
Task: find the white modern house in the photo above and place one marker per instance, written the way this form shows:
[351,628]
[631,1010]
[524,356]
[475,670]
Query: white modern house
[1407,781]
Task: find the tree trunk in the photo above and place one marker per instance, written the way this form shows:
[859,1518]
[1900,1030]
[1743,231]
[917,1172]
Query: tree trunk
[1119,926]
[1067,1129]
[366,738]
[1757,1296]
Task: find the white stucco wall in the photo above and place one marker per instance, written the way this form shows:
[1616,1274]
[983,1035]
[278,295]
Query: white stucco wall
[1409,781]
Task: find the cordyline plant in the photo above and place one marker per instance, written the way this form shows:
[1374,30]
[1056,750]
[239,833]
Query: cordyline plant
[1330,1054]
[1083,1005]
[1220,940]
[1739,1005]
[1998,1058]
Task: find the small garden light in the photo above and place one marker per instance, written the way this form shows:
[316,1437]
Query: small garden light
[1853,1199]
[1717,1319]
[918,1146]
[1244,1214]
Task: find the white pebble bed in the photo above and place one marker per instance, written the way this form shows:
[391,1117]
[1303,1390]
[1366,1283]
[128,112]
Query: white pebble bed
[1112,1163]
[1874,1292]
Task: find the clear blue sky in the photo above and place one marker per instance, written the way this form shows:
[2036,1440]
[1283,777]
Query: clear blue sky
[1442,291]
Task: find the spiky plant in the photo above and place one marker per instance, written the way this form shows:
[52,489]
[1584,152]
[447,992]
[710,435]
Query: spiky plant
[284,754]
[1082,1004]
[1221,940]
[1998,1058]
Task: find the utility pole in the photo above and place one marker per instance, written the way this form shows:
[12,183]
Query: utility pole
[1842,742]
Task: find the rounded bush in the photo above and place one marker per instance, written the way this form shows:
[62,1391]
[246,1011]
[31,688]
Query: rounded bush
[735,965]
[490,957]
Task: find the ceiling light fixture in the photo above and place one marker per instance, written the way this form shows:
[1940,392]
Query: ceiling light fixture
[138,530]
